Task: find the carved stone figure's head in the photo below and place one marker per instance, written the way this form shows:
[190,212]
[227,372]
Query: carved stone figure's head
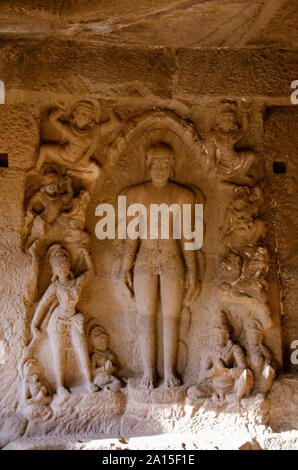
[221,335]
[230,267]
[227,118]
[243,224]
[258,264]
[241,198]
[98,339]
[254,334]
[160,163]
[84,114]
[50,183]
[60,263]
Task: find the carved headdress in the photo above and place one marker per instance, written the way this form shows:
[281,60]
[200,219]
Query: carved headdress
[86,103]
[57,253]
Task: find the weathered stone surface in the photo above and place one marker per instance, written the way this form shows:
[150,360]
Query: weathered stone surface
[107,339]
[184,23]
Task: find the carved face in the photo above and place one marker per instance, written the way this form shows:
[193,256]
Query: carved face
[51,184]
[83,117]
[220,337]
[32,379]
[52,188]
[160,168]
[99,340]
[227,122]
[243,224]
[239,203]
[254,337]
[61,266]
[230,267]
[255,268]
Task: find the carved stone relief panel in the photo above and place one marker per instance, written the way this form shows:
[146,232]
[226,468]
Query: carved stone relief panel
[181,316]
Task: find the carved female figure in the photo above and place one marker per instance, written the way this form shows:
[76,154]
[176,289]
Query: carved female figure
[58,307]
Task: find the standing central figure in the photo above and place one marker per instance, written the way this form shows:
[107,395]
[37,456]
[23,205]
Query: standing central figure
[159,267]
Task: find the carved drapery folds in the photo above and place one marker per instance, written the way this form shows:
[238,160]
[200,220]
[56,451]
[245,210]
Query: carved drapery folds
[158,158]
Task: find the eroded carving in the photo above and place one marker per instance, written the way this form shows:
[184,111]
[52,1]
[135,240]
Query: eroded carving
[53,197]
[55,213]
[226,366]
[259,359]
[233,166]
[244,292]
[242,227]
[34,392]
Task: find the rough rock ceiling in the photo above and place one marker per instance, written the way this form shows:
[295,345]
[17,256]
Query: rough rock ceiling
[180,23]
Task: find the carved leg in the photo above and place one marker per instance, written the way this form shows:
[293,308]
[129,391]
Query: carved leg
[48,153]
[146,288]
[57,341]
[171,292]
[88,174]
[81,348]
[38,231]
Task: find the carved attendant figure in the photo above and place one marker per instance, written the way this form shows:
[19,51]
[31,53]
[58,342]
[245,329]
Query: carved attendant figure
[159,266]
[242,226]
[226,366]
[34,391]
[54,196]
[260,360]
[59,302]
[81,135]
[233,166]
[103,361]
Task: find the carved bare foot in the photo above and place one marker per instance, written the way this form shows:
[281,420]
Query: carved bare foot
[148,380]
[171,380]
[63,392]
[91,387]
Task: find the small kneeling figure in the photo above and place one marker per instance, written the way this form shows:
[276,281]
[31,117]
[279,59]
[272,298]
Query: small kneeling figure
[103,361]
[34,391]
